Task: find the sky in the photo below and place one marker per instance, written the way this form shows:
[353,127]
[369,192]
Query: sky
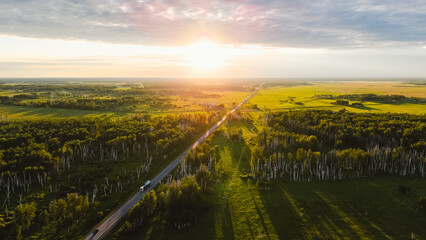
[224,38]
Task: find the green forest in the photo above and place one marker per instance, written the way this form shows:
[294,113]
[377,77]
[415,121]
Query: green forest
[45,166]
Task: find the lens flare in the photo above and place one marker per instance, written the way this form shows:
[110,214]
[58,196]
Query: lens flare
[205,55]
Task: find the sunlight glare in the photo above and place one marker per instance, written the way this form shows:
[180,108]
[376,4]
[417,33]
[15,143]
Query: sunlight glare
[205,55]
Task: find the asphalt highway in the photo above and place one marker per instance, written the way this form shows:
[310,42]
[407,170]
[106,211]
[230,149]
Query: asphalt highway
[119,213]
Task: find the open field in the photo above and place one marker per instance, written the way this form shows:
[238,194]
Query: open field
[303,97]
[227,98]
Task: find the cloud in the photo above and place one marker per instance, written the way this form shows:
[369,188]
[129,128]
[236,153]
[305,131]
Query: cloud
[284,23]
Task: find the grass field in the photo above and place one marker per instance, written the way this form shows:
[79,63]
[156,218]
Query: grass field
[277,98]
[364,208]
[18,112]
[189,104]
[227,98]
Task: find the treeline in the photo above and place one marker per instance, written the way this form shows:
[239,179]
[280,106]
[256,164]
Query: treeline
[346,103]
[373,98]
[180,201]
[56,221]
[85,103]
[62,216]
[203,156]
[319,145]
[100,104]
[184,93]
[91,88]
[33,151]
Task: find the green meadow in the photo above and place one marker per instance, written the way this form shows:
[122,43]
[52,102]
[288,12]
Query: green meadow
[19,112]
[303,97]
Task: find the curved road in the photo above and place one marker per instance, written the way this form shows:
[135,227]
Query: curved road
[114,218]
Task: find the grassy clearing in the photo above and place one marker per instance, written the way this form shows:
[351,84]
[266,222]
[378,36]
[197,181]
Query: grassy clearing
[227,98]
[241,204]
[277,98]
[368,208]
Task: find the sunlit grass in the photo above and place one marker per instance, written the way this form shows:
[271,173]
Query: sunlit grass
[246,210]
[303,97]
[227,98]
[18,112]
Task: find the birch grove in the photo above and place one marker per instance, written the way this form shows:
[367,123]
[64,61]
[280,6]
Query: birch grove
[304,146]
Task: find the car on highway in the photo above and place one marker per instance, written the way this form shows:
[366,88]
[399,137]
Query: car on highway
[145,186]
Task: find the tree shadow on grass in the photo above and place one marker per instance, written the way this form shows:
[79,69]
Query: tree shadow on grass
[227,228]
[304,213]
[362,107]
[249,226]
[353,209]
[259,213]
[284,218]
[251,127]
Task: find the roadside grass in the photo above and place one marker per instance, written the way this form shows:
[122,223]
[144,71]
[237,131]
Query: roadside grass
[303,97]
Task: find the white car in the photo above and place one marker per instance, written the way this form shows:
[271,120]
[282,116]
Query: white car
[145,186]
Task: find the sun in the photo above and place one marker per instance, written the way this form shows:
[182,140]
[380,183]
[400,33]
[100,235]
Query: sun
[205,54]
